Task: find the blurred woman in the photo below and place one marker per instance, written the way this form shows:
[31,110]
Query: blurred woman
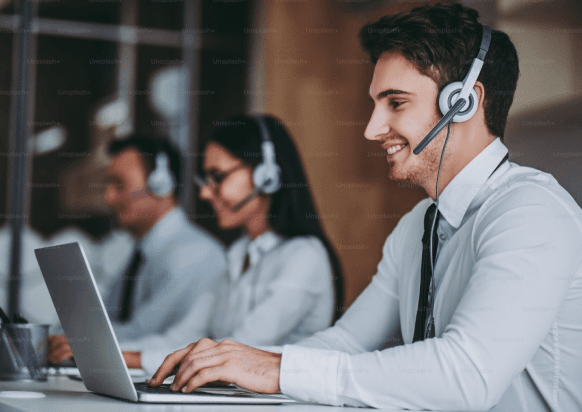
[284,280]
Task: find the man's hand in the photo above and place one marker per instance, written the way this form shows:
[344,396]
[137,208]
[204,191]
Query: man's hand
[132,359]
[58,349]
[208,361]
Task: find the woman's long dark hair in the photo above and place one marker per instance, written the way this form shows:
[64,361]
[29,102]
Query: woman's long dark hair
[292,211]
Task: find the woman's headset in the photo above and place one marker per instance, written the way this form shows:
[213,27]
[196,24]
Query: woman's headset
[267,174]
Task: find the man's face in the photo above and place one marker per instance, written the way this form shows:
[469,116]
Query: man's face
[405,111]
[125,193]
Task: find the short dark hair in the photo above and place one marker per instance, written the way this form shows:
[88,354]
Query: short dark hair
[441,41]
[148,148]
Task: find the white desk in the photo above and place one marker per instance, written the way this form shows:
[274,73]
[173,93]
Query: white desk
[64,394]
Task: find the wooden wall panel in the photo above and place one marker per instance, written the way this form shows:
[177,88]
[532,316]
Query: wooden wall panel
[317,80]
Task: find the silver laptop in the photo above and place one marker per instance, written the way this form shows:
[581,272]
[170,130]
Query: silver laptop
[88,329]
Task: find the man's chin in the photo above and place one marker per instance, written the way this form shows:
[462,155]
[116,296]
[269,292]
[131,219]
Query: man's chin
[403,181]
[396,175]
[126,222]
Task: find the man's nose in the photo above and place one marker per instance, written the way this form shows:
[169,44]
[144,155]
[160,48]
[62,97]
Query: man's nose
[378,125]
[108,195]
[206,192]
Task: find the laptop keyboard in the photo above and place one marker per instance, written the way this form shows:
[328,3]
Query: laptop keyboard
[230,390]
[143,387]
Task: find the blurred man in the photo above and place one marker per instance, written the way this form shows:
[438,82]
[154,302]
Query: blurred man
[175,265]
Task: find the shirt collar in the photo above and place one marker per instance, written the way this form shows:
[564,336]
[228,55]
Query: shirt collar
[459,193]
[262,245]
[256,249]
[162,231]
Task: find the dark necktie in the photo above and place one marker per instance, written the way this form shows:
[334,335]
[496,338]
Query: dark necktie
[246,264]
[129,286]
[425,271]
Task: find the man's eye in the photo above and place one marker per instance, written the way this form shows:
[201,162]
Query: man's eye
[217,176]
[113,183]
[395,104]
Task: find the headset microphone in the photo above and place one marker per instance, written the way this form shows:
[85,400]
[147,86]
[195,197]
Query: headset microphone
[442,123]
[458,101]
[256,191]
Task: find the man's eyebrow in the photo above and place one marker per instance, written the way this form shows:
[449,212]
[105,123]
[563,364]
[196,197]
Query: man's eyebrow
[388,92]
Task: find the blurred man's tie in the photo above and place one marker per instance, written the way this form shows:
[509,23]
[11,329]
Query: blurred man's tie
[129,286]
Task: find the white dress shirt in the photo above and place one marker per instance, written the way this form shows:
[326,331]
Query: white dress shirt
[508,307]
[285,295]
[181,265]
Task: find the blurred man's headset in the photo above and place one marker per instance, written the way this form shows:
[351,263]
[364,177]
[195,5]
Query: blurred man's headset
[161,181]
[267,174]
[458,101]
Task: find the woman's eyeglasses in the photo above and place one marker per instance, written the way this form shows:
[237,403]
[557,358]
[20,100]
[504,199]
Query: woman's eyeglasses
[213,178]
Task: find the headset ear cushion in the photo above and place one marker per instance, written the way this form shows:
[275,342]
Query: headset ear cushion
[267,177]
[446,99]
[160,183]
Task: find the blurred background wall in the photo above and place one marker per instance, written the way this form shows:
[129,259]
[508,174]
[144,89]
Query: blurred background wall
[99,70]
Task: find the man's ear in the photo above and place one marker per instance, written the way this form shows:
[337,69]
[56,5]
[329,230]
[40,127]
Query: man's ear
[480,90]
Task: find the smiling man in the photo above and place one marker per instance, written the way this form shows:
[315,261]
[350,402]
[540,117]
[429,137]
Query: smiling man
[498,325]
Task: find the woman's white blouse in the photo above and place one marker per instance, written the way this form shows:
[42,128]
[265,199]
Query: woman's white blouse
[286,294]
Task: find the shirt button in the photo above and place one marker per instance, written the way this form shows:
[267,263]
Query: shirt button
[442,236]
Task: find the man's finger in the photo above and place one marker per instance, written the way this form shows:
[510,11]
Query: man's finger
[196,353]
[57,342]
[203,344]
[56,355]
[54,344]
[65,356]
[194,364]
[203,377]
[195,347]
[61,355]
[57,339]
[165,369]
[53,359]
[58,346]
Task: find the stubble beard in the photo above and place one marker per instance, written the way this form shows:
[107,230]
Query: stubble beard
[422,168]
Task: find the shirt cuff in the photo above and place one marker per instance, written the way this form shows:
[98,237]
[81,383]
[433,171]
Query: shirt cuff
[273,349]
[309,374]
